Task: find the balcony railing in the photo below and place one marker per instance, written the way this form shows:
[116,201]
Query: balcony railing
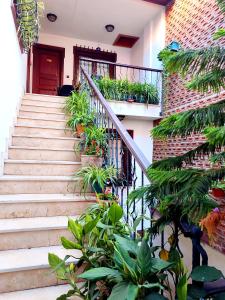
[145,83]
[122,153]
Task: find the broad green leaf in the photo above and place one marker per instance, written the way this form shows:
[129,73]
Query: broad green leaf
[155,296]
[144,259]
[115,212]
[58,265]
[66,296]
[158,264]
[206,273]
[104,226]
[88,227]
[98,273]
[75,228]
[69,244]
[124,291]
[182,288]
[127,244]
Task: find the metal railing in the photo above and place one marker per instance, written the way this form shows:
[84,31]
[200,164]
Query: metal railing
[122,153]
[133,74]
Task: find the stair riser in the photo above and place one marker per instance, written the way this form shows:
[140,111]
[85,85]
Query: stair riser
[41,109]
[38,187]
[43,154]
[32,239]
[46,132]
[48,209]
[41,115]
[40,122]
[22,280]
[40,97]
[43,143]
[40,169]
[43,103]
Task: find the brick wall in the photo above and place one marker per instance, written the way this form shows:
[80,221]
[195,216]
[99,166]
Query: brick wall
[191,23]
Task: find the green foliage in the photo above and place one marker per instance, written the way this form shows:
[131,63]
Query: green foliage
[206,273]
[77,102]
[28,18]
[93,175]
[221,4]
[84,119]
[220,33]
[123,90]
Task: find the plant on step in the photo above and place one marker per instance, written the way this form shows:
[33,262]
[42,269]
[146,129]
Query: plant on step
[28,14]
[96,177]
[77,102]
[78,121]
[93,236]
[94,141]
[175,177]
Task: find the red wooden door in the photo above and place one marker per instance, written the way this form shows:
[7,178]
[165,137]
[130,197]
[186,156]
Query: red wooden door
[47,69]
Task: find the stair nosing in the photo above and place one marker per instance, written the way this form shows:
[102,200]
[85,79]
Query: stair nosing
[38,100]
[38,178]
[46,137]
[41,162]
[22,104]
[40,149]
[41,112]
[40,119]
[42,127]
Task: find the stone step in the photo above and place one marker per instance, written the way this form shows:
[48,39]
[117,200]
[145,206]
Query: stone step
[44,142]
[21,233]
[41,131]
[41,122]
[19,152]
[46,293]
[41,115]
[40,167]
[47,98]
[41,108]
[39,185]
[42,103]
[28,268]
[43,205]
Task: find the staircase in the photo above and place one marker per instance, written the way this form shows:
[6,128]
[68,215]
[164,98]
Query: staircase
[37,193]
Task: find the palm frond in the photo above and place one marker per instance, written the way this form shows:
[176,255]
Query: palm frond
[212,81]
[196,62]
[218,158]
[192,121]
[216,136]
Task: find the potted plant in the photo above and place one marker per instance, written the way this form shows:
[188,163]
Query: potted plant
[96,177]
[218,189]
[107,196]
[79,121]
[93,146]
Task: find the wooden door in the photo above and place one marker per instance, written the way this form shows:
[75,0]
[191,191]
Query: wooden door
[48,64]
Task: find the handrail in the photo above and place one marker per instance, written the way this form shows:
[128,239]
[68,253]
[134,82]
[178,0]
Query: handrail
[131,145]
[121,65]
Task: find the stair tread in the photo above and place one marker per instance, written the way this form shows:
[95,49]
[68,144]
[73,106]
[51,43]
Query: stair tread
[33,95]
[40,105]
[29,198]
[46,293]
[46,112]
[39,178]
[42,127]
[45,137]
[33,224]
[39,149]
[41,119]
[33,258]
[42,162]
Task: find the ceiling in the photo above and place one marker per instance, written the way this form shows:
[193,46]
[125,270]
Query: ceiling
[86,19]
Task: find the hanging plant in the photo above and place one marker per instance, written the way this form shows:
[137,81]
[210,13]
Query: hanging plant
[28,14]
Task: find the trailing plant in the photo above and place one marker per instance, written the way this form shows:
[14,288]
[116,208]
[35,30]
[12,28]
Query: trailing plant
[97,177]
[123,90]
[28,14]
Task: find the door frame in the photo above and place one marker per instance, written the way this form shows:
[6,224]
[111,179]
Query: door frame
[110,57]
[60,50]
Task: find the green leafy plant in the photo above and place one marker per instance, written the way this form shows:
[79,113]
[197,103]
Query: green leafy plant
[83,119]
[77,103]
[94,141]
[123,89]
[28,18]
[96,177]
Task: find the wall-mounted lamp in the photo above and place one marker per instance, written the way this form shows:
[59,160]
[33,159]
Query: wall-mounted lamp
[174,46]
[51,17]
[109,28]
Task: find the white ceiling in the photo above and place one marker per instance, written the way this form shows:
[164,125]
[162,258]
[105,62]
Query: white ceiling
[86,19]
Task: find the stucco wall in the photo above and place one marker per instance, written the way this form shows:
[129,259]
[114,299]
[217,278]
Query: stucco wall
[12,75]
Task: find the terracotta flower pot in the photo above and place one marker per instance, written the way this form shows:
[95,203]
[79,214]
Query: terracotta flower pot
[91,160]
[79,130]
[218,193]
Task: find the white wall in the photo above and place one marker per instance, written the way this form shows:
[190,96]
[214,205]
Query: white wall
[123,54]
[152,40]
[12,75]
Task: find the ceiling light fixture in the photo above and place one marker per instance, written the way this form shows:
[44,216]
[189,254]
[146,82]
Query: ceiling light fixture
[109,27]
[51,17]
